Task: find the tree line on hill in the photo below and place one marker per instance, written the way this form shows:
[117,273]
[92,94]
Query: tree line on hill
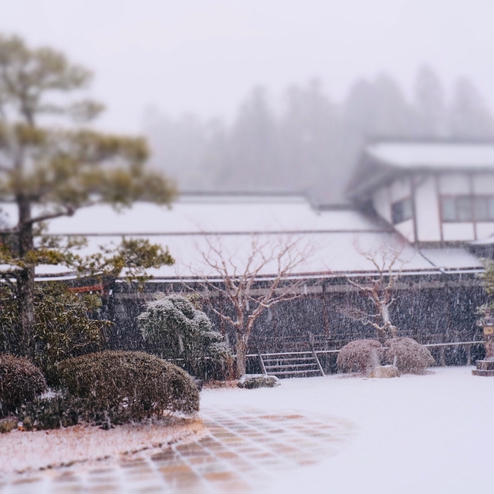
[310,143]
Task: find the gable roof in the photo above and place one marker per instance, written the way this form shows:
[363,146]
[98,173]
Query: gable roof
[383,160]
[434,155]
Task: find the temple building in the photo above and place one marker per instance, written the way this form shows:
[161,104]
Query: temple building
[429,204]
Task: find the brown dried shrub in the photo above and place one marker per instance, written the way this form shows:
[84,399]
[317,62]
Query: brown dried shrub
[359,356]
[20,382]
[120,386]
[408,355]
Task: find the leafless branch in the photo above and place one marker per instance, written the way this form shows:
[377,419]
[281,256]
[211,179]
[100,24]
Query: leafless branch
[387,263]
[240,275]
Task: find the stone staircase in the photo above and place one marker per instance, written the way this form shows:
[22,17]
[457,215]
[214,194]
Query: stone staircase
[291,364]
[484,368]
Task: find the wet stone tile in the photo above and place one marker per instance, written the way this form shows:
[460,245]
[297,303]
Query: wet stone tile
[171,471]
[103,488]
[239,454]
[202,460]
[220,476]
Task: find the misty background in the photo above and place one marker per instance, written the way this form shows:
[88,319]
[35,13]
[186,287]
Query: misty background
[275,95]
[310,143]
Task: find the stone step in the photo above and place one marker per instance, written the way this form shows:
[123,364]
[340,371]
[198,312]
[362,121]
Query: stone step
[288,359]
[290,366]
[303,364]
[278,356]
[485,364]
[482,372]
[286,373]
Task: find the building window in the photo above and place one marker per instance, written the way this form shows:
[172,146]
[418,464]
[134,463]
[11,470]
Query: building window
[464,210]
[484,208]
[448,208]
[467,208]
[401,210]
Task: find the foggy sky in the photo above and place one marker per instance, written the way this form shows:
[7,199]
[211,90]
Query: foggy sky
[203,56]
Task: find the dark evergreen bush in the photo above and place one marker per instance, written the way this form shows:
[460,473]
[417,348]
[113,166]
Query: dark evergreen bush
[177,331]
[20,382]
[62,326]
[408,355]
[359,356]
[51,412]
[118,386]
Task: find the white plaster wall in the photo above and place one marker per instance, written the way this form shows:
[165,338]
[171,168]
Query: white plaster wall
[427,206]
[427,210]
[483,183]
[458,231]
[485,230]
[406,229]
[454,183]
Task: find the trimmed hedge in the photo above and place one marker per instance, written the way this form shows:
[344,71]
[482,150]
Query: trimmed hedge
[410,356]
[20,382]
[359,356]
[121,386]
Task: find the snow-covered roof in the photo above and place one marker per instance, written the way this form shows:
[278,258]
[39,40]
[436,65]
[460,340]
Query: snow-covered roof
[195,215]
[334,242]
[434,155]
[324,254]
[451,258]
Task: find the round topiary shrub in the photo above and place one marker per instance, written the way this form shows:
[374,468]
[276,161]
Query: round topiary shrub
[119,386]
[359,356]
[408,355]
[20,382]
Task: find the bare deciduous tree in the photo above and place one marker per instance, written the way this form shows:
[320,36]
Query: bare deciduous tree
[379,290]
[269,261]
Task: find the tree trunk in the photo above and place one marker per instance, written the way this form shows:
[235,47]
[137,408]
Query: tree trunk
[241,350]
[25,279]
[388,329]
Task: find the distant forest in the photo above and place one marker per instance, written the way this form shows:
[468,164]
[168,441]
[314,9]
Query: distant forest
[309,143]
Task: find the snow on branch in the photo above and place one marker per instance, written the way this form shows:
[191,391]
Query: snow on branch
[378,288]
[251,279]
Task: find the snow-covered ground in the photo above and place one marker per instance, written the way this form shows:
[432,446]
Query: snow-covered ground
[25,451]
[414,434]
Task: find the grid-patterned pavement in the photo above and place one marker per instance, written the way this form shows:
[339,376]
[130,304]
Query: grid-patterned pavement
[241,452]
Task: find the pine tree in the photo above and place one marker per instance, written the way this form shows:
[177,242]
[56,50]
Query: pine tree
[49,171]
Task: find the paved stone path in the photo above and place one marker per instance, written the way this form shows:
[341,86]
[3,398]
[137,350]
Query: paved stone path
[242,451]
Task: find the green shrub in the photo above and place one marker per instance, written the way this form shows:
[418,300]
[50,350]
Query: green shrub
[408,355]
[20,382]
[62,326]
[177,331]
[51,412]
[118,386]
[359,356]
